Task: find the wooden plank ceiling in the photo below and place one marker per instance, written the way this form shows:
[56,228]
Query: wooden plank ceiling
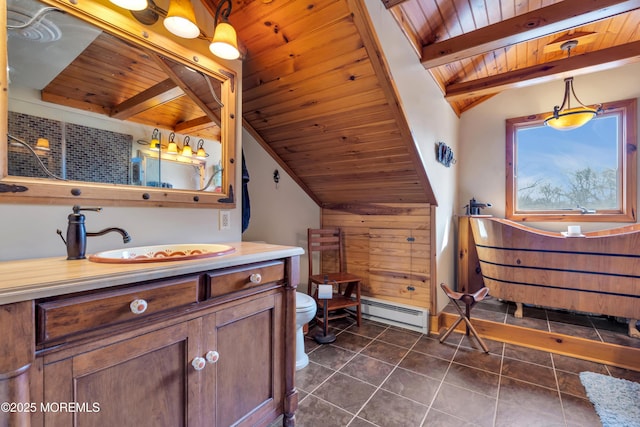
[114,78]
[475,49]
[317,96]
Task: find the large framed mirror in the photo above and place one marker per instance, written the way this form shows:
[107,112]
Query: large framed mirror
[105,108]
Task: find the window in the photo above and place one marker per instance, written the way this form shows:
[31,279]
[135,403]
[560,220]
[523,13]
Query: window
[584,174]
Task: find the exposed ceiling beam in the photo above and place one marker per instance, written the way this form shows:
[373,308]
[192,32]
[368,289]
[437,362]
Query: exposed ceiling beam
[538,23]
[166,67]
[582,64]
[198,124]
[164,91]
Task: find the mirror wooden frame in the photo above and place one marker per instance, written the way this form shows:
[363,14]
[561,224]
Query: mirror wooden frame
[20,190]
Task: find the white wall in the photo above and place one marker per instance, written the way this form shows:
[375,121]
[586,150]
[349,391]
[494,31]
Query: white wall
[482,132]
[279,214]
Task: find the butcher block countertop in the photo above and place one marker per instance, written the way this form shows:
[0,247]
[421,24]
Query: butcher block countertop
[28,279]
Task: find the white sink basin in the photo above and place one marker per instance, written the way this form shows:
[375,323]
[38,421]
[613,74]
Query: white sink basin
[160,253]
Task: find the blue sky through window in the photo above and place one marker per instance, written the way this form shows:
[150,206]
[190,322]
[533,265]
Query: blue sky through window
[546,155]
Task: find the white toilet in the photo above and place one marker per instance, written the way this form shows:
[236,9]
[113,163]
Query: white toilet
[305,310]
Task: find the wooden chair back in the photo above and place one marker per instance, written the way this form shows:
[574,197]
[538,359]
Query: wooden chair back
[327,242]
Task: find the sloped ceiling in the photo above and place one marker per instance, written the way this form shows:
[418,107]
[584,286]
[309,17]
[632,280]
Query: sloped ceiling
[475,49]
[317,96]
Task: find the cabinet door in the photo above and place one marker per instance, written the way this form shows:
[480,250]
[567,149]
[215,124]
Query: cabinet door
[249,386]
[143,381]
[399,267]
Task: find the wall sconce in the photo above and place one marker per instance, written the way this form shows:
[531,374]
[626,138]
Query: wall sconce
[181,19]
[186,148]
[201,154]
[172,148]
[42,144]
[225,41]
[156,140]
[131,4]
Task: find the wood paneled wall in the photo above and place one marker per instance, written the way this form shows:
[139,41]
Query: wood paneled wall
[390,246]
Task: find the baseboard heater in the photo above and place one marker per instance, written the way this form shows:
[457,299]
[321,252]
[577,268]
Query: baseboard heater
[396,314]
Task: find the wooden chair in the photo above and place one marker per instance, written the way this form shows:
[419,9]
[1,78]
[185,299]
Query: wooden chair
[469,300]
[346,286]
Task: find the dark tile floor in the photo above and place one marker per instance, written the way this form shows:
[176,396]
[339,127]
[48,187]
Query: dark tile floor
[379,375]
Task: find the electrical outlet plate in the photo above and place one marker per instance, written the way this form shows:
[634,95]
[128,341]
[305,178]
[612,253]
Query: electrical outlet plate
[225,220]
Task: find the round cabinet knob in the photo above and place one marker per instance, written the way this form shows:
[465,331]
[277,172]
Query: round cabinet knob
[198,363]
[212,356]
[138,306]
[255,278]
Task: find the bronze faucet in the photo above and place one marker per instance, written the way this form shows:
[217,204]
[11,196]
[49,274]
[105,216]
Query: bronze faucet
[77,234]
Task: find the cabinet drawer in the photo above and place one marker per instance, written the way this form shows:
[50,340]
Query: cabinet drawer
[232,280]
[75,314]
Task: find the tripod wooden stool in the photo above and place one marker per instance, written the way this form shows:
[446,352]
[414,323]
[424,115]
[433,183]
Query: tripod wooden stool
[469,300]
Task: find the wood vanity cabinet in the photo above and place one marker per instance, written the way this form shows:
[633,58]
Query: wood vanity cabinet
[218,360]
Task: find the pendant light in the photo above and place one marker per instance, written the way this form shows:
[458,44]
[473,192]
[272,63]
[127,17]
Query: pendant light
[181,19]
[570,118]
[131,4]
[225,41]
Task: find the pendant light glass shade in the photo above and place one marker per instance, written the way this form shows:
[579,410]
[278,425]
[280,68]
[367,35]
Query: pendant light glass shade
[131,4]
[570,118]
[181,19]
[225,42]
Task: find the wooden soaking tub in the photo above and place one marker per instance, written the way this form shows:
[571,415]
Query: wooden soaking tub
[596,273]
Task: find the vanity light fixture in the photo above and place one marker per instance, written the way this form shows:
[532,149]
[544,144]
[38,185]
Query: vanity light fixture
[186,148]
[181,19]
[201,154]
[225,41]
[570,118]
[183,154]
[156,138]
[131,4]
[172,148]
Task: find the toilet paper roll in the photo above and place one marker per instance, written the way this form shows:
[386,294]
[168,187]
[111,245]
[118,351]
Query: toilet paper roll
[325,291]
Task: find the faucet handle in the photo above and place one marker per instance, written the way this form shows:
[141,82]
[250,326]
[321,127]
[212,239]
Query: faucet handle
[77,208]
